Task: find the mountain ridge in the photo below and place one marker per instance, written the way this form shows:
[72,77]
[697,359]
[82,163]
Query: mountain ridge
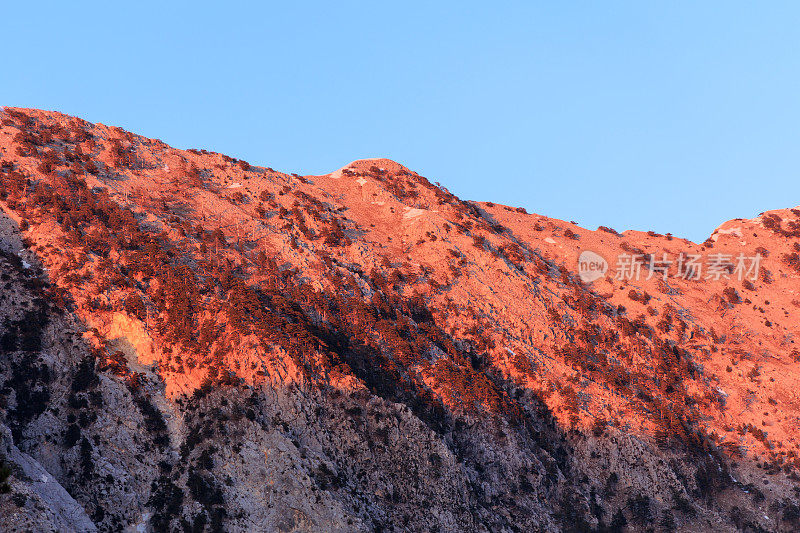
[194,279]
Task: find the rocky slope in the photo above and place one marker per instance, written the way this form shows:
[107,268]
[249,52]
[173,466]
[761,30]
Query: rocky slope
[192,343]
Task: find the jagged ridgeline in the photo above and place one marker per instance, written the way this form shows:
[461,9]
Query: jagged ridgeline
[190,342]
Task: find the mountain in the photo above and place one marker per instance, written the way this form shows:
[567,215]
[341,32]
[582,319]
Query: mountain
[192,343]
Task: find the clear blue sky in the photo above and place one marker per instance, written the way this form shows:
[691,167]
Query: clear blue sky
[668,116]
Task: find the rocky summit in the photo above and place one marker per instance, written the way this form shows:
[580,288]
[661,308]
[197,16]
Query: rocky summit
[192,343]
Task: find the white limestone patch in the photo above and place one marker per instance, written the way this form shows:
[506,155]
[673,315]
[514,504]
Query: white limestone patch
[736,232]
[412,212]
[64,513]
[141,527]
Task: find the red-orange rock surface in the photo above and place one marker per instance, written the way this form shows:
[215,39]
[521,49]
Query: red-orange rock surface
[416,361]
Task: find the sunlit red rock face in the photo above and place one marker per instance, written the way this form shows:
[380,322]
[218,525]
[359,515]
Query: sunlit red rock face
[190,273]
